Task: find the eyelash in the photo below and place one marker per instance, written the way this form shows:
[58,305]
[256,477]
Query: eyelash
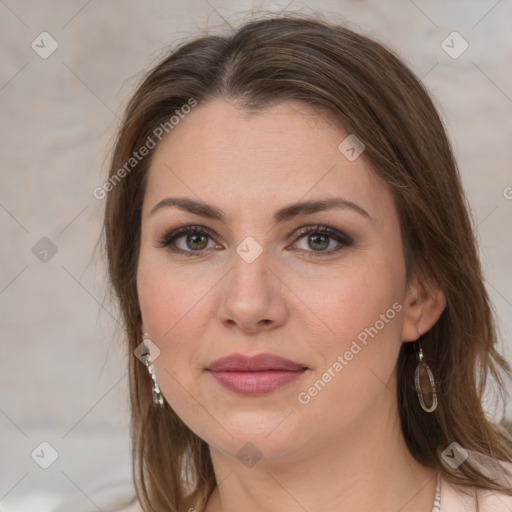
[343,239]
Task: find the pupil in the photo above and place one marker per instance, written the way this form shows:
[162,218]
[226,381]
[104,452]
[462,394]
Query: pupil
[193,239]
[315,238]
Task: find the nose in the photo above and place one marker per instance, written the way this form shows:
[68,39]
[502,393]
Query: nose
[252,296]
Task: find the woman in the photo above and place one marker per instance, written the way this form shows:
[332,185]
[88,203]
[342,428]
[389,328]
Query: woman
[289,242]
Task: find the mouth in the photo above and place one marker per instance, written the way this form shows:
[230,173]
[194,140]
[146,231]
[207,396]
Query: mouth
[256,375]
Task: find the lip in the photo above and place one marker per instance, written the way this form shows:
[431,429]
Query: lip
[256,375]
[257,363]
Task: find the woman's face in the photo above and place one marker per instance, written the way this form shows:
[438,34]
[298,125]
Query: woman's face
[254,281]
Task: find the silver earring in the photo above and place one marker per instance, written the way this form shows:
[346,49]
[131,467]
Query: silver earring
[158,399]
[422,364]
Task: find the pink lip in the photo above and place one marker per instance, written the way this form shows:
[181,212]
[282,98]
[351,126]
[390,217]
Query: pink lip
[255,375]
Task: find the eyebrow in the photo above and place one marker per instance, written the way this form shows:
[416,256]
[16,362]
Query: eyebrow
[281,215]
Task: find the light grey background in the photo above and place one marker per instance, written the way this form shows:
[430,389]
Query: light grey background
[63,376]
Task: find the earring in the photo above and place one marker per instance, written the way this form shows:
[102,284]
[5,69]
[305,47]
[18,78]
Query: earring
[422,364]
[158,399]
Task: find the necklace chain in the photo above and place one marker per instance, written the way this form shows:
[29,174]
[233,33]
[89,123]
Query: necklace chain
[437,498]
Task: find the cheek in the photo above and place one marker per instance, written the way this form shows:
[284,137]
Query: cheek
[363,311]
[174,306]
[168,298]
[348,302]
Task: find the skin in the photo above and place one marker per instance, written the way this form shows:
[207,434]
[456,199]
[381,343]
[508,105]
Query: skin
[343,450]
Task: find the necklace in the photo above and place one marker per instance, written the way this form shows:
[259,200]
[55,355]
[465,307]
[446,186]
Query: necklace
[437,498]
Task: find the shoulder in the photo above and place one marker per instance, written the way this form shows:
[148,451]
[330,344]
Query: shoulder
[498,502]
[462,499]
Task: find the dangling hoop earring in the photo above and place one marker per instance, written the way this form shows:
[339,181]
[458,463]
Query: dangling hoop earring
[419,391]
[158,399]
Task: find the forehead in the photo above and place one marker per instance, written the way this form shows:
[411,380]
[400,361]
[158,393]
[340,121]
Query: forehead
[230,157]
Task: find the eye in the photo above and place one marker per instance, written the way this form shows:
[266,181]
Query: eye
[195,240]
[319,238]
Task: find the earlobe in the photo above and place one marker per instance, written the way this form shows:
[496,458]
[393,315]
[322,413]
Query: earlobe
[423,307]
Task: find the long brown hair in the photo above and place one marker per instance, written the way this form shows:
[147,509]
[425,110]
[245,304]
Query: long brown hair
[370,92]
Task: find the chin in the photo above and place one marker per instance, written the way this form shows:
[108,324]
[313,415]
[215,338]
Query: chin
[256,437]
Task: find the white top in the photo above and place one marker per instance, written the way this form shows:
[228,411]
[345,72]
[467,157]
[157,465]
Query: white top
[453,499]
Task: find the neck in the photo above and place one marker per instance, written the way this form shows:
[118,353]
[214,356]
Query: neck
[368,468]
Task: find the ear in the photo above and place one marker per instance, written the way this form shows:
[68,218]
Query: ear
[423,307]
